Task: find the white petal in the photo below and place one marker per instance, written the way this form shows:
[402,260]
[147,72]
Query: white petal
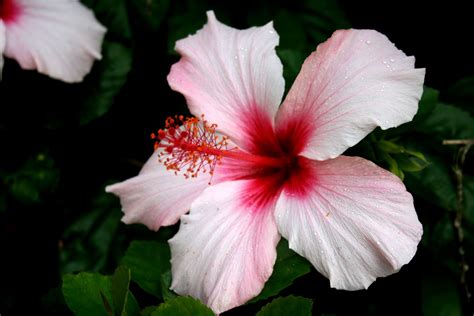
[157,197]
[225,248]
[355,81]
[59,38]
[233,77]
[356,222]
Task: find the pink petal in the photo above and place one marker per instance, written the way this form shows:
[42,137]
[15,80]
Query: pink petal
[355,223]
[355,81]
[58,38]
[232,76]
[157,197]
[225,249]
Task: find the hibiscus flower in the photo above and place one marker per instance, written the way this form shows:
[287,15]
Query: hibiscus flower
[279,170]
[59,38]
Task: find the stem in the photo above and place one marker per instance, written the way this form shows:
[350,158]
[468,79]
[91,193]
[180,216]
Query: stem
[457,223]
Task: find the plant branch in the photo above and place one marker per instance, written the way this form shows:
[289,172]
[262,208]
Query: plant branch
[465,145]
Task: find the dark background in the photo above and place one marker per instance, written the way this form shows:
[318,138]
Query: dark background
[40,116]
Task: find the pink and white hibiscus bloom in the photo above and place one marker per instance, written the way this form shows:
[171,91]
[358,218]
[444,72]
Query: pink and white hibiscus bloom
[59,38]
[353,220]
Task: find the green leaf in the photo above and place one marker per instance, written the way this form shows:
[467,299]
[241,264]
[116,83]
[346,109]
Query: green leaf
[88,242]
[291,31]
[440,295]
[83,293]
[105,81]
[288,267]
[321,18]
[124,302]
[37,178]
[147,311]
[120,283]
[461,93]
[448,122]
[131,308]
[292,61]
[148,260]
[285,306]
[434,183]
[390,147]
[428,102]
[165,282]
[410,164]
[113,14]
[149,12]
[183,306]
[392,165]
[468,185]
[182,25]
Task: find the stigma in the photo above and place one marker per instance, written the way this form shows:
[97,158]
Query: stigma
[191,146]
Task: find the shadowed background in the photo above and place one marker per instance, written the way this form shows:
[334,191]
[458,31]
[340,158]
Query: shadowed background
[61,144]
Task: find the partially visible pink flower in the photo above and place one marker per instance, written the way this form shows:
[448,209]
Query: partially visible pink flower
[351,219]
[59,38]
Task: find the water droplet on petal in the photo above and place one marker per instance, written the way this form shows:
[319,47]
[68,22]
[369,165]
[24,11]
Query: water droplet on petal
[368,42]
[392,60]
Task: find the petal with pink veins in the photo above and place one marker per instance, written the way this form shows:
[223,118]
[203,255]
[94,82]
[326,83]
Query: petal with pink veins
[225,249]
[354,223]
[355,81]
[233,77]
[157,197]
[58,38]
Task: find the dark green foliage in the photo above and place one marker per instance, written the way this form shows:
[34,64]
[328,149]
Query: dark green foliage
[291,305]
[148,261]
[185,306]
[288,267]
[63,245]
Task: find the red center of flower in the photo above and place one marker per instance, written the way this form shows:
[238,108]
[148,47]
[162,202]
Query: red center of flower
[190,146]
[9,10]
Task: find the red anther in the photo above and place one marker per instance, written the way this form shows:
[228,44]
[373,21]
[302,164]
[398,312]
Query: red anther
[156,145]
[161,134]
[152,136]
[191,148]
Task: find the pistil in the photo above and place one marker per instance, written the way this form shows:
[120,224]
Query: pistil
[191,146]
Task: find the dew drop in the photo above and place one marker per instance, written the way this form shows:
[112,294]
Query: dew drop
[392,60]
[368,42]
